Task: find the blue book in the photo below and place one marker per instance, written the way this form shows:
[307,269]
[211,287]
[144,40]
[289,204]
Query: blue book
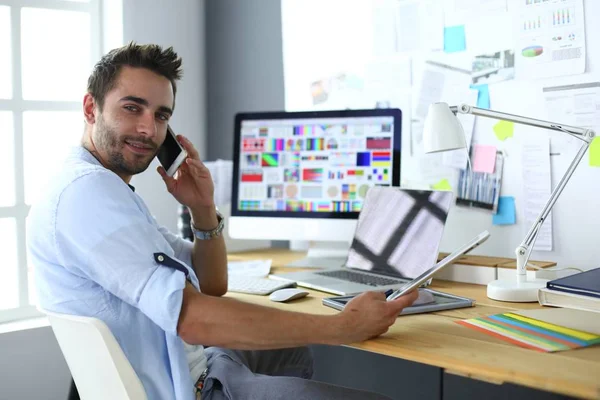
[584,283]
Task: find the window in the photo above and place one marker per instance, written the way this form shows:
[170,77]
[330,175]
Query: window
[48,50]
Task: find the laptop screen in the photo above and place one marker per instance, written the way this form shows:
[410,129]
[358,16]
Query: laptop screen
[399,231]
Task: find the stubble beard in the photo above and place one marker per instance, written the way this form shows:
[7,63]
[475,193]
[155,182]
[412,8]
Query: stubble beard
[108,140]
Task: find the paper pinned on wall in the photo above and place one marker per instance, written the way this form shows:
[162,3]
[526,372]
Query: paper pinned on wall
[407,26]
[221,172]
[506,213]
[537,186]
[455,39]
[504,130]
[439,82]
[483,99]
[550,39]
[478,5]
[576,105]
[432,28]
[443,184]
[484,158]
[419,24]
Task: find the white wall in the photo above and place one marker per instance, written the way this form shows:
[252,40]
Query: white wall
[179,24]
[574,216]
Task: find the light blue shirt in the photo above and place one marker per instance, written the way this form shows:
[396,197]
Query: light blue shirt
[93,245]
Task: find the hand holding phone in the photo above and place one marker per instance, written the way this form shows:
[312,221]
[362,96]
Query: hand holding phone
[171,154]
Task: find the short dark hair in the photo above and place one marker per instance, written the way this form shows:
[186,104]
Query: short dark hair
[164,62]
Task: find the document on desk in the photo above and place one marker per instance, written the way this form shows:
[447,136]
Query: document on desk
[537,186]
[253,268]
[532,333]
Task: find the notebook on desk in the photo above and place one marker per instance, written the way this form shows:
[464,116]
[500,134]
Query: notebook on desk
[584,283]
[397,237]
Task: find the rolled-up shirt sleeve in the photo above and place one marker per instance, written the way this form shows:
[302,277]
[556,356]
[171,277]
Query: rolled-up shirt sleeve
[103,234]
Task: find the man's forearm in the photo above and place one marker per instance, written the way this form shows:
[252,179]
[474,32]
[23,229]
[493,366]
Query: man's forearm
[229,323]
[209,257]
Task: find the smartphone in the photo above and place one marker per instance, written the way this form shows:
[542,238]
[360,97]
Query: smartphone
[171,155]
[449,259]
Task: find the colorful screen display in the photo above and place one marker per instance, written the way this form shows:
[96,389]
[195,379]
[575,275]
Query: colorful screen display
[313,164]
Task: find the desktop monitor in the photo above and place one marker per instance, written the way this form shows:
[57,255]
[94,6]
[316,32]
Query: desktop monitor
[304,175]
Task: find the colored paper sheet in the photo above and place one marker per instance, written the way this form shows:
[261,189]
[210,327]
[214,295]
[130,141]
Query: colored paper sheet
[442,185]
[455,39]
[531,333]
[483,99]
[506,214]
[484,159]
[594,151]
[504,130]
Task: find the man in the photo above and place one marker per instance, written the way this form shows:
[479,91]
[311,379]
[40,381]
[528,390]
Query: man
[98,252]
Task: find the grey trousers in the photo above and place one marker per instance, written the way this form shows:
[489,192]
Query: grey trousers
[270,375]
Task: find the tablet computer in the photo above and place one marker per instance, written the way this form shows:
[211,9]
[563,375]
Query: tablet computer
[441,301]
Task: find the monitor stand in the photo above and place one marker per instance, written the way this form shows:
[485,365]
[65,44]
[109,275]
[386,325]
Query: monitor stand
[323,255]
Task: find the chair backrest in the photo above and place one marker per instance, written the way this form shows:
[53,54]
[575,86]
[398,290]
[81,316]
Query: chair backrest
[96,361]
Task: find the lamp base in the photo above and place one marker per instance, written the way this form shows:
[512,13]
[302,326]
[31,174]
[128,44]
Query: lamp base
[511,290]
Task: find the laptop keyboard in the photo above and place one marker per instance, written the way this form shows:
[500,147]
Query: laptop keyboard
[357,277]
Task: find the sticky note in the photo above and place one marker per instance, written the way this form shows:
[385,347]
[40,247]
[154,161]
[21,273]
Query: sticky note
[504,130]
[455,39]
[594,151]
[484,158]
[483,98]
[442,185]
[505,214]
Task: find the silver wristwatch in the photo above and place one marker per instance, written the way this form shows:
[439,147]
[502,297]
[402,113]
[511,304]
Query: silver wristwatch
[212,234]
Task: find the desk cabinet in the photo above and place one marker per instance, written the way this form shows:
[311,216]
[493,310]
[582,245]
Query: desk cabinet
[407,380]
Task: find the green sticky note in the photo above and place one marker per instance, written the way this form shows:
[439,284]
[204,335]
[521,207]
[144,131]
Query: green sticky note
[504,130]
[595,152]
[442,185]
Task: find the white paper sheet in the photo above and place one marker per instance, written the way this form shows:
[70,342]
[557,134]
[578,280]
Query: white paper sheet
[419,25]
[221,172]
[407,26]
[441,83]
[478,5]
[254,268]
[537,186]
[550,39]
[576,105]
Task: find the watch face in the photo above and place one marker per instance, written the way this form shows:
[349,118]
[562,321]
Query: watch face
[204,235]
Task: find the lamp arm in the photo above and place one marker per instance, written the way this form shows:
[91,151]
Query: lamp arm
[524,250]
[586,135]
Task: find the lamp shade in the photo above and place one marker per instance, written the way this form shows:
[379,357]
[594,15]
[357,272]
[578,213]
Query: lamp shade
[442,130]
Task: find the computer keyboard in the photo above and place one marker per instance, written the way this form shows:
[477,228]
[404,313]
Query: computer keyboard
[252,285]
[357,277]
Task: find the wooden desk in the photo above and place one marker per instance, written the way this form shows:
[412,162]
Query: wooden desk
[435,339]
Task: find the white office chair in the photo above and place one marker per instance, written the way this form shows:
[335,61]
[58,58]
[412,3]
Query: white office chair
[96,361]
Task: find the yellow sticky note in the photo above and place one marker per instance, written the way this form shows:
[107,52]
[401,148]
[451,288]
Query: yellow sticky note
[594,151]
[504,130]
[442,185]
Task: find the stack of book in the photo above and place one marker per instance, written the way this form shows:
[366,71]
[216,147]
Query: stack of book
[580,291]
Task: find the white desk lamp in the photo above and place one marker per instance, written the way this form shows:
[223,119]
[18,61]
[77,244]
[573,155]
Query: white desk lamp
[443,132]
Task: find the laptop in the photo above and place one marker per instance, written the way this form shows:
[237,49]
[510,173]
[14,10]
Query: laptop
[397,238]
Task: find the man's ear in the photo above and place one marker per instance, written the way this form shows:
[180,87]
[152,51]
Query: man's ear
[89,109]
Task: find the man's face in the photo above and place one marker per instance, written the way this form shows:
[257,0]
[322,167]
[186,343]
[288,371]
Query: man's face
[133,122]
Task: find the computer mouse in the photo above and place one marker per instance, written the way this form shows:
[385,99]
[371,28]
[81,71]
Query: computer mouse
[425,297]
[287,294]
